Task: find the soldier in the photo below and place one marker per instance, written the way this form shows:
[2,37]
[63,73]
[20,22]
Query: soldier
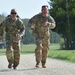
[40,25]
[15,30]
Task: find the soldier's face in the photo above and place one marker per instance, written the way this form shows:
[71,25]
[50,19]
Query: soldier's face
[45,10]
[13,14]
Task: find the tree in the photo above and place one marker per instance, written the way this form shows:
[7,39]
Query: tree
[63,12]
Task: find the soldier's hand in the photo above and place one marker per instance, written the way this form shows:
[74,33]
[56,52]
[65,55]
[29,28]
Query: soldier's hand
[46,23]
[20,37]
[32,27]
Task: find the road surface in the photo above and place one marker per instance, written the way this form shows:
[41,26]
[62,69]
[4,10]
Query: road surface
[27,67]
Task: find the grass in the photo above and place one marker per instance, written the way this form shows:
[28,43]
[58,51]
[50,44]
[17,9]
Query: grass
[67,55]
[2,51]
[53,52]
[27,49]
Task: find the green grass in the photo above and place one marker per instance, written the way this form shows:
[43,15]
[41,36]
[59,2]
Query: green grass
[53,52]
[27,49]
[2,51]
[68,55]
[24,49]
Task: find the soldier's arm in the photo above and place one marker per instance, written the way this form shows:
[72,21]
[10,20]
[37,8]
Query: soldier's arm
[32,21]
[51,23]
[22,28]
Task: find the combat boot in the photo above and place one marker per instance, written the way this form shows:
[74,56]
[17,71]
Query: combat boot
[14,66]
[37,65]
[10,66]
[43,65]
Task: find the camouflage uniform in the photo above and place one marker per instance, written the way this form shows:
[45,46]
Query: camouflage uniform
[42,35]
[13,28]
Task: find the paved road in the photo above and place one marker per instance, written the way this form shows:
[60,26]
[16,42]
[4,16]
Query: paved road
[27,67]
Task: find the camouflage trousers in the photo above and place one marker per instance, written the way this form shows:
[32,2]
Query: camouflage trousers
[13,52]
[41,51]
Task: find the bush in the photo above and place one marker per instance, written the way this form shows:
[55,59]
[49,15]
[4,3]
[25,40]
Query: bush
[62,43]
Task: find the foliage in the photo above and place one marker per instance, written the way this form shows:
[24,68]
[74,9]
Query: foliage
[63,12]
[62,46]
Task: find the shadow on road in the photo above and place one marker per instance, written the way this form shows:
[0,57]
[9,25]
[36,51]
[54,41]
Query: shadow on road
[7,70]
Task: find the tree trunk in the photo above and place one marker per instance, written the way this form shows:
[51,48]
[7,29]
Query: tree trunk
[69,45]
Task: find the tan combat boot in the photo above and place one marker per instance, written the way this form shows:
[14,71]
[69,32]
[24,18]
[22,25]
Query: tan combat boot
[37,65]
[43,65]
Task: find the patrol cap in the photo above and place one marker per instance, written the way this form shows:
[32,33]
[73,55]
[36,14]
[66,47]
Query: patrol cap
[13,11]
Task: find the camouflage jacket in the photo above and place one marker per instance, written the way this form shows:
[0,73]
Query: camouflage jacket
[13,27]
[39,28]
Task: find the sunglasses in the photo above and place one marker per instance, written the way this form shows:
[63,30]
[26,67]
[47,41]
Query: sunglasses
[13,13]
